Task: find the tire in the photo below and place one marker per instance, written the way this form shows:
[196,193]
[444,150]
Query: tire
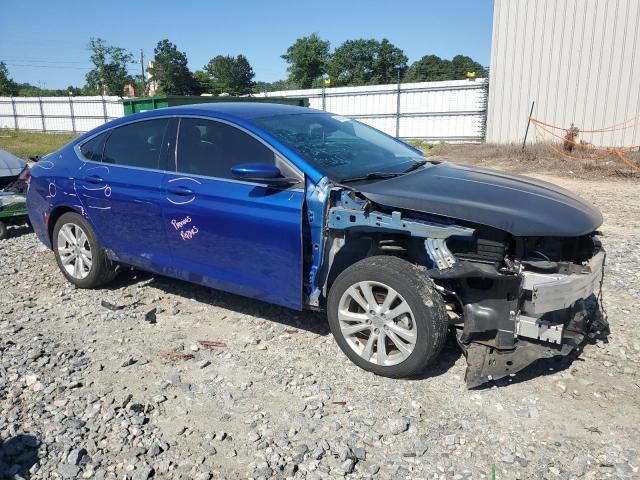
[99,271]
[4,231]
[425,322]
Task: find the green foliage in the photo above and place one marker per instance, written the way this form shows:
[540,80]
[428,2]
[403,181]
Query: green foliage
[432,68]
[461,64]
[276,86]
[109,75]
[28,90]
[8,87]
[170,70]
[389,61]
[232,75]
[307,59]
[205,84]
[366,62]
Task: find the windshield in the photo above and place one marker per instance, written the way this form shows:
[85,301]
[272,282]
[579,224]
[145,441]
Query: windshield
[339,147]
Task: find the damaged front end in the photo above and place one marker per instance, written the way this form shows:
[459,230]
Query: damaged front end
[530,305]
[511,300]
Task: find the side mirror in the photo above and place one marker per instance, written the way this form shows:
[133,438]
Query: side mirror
[261,173]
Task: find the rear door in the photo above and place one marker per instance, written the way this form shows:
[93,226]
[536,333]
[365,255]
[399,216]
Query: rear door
[122,193]
[233,235]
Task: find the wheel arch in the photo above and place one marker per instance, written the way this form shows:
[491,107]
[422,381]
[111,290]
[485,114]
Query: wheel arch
[55,214]
[357,246]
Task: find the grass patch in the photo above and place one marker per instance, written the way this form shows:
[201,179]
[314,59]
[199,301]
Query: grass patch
[25,144]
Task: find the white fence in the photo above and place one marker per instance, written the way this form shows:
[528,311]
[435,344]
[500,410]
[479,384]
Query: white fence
[453,111]
[58,114]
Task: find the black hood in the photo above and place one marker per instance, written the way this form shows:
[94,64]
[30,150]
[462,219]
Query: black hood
[519,205]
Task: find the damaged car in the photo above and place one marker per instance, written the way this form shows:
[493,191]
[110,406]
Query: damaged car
[310,210]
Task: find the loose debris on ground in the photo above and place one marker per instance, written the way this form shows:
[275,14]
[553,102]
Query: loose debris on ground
[225,387]
[533,159]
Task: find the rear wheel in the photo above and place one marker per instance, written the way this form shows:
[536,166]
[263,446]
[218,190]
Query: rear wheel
[387,317]
[80,258]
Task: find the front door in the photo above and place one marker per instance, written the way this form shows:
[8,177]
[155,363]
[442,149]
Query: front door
[232,235]
[122,193]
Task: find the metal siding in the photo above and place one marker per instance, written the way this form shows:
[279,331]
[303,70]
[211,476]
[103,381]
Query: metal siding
[88,112]
[450,111]
[578,59]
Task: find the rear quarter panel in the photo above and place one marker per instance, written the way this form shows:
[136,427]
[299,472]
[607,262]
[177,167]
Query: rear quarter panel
[52,187]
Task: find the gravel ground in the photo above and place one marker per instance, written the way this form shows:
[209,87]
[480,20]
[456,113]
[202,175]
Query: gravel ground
[217,386]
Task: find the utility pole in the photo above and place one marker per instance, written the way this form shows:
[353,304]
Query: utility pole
[144,84]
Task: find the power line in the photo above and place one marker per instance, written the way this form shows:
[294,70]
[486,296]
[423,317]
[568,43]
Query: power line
[41,60]
[66,67]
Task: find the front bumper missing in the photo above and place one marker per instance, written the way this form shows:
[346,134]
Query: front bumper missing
[551,292]
[558,313]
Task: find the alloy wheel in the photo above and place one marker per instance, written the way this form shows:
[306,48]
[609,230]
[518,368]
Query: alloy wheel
[377,323]
[74,251]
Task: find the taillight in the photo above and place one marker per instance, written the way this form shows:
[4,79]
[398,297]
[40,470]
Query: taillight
[26,175]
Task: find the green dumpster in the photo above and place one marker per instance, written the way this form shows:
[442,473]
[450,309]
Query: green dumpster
[143,104]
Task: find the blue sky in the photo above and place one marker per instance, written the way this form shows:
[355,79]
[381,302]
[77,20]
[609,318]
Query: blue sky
[51,36]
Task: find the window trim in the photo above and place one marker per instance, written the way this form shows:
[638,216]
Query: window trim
[299,173]
[173,136]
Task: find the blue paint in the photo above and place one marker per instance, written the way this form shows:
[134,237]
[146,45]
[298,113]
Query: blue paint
[237,236]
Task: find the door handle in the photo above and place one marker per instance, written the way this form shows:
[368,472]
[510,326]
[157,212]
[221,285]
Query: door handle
[181,191]
[94,179]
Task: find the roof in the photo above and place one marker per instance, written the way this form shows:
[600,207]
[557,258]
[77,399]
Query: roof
[243,110]
[232,111]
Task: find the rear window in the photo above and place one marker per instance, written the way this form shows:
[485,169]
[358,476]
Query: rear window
[138,144]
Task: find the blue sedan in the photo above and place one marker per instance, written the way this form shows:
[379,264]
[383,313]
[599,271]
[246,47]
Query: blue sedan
[307,209]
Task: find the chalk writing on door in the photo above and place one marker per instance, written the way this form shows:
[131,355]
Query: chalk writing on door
[185,227]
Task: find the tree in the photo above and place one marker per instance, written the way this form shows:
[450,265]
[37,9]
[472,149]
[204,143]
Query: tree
[204,82]
[307,59]
[28,90]
[432,68]
[232,75]
[170,70]
[8,87]
[109,75]
[278,85]
[461,64]
[389,61]
[352,63]
[366,62]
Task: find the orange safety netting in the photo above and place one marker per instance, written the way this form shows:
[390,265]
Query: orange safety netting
[588,150]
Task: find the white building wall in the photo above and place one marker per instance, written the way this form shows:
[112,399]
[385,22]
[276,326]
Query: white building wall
[579,60]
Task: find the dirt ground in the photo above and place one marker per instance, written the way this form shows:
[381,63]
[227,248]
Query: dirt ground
[87,391]
[534,159]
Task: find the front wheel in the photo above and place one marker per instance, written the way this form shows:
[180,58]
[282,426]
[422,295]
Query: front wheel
[387,317]
[78,253]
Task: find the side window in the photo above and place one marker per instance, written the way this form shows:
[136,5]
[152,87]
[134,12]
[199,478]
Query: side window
[137,144]
[211,148]
[92,150]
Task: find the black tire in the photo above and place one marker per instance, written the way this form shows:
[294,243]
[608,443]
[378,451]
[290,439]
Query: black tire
[418,291]
[102,269]
[4,231]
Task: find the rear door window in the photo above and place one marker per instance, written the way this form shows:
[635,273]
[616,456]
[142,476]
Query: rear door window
[92,150]
[138,144]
